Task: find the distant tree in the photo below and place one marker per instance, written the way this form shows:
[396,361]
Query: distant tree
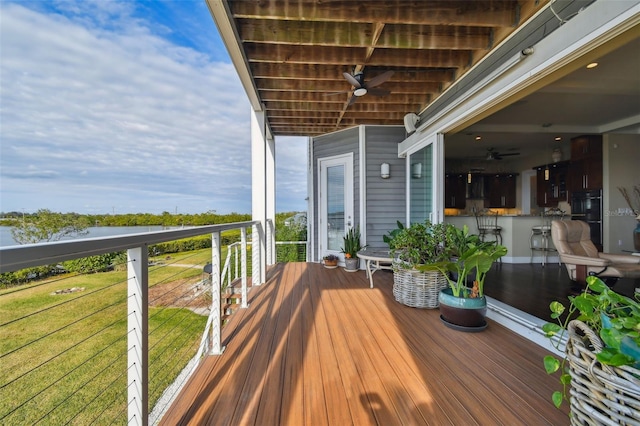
[46,226]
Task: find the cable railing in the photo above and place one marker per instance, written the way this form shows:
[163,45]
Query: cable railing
[96,348]
[292,251]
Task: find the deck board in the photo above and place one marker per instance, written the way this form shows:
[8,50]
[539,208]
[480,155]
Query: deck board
[319,347]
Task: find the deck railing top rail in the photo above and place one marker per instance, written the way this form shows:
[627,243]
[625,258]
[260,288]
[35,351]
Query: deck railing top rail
[14,258]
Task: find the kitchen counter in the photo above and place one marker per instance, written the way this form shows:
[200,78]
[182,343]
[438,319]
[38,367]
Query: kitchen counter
[516,234]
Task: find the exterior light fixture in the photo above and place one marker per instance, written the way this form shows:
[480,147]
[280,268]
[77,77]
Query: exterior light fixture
[469,177]
[384,171]
[416,170]
[546,172]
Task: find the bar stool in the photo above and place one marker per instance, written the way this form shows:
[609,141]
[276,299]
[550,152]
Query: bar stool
[542,233]
[487,222]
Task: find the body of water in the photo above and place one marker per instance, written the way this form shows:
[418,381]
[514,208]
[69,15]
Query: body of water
[95,231]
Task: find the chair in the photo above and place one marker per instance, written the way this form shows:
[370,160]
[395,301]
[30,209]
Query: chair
[572,239]
[487,222]
[541,233]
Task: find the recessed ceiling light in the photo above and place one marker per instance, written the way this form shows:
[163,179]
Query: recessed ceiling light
[478,138]
[592,65]
[558,138]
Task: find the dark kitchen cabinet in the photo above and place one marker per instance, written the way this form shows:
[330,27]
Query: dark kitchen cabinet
[552,182]
[587,146]
[455,188]
[500,190]
[586,163]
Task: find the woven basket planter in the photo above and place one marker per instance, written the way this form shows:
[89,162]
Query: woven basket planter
[600,394]
[417,289]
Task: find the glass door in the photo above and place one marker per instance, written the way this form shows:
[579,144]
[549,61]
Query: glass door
[336,202]
[426,182]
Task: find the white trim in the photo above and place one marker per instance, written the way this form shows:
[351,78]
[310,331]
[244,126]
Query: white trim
[522,323]
[362,189]
[437,179]
[324,162]
[311,216]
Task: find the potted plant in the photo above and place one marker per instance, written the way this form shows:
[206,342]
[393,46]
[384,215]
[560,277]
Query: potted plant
[351,248]
[330,261]
[411,247]
[463,307]
[602,330]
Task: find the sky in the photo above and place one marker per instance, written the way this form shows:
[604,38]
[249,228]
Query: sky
[112,107]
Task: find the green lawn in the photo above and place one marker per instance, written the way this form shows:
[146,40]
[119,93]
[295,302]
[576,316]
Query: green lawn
[63,357]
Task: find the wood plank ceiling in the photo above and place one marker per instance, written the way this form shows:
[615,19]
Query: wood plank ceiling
[298,50]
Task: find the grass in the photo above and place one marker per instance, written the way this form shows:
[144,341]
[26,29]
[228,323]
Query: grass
[63,357]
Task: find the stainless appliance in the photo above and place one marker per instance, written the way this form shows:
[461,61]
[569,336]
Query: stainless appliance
[587,206]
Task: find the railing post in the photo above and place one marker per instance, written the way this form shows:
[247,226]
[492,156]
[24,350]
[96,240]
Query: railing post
[270,239]
[137,336]
[216,298]
[257,244]
[243,265]
[235,259]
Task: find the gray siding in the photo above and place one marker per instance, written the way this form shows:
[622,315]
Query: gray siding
[385,198]
[327,146]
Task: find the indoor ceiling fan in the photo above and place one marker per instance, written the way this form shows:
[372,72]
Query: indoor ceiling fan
[362,87]
[492,154]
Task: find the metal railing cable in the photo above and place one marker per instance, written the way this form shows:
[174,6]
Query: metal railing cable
[83,384]
[78,348]
[59,353]
[30,286]
[56,331]
[88,294]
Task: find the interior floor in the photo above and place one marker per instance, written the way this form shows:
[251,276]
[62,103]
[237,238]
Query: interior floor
[531,287]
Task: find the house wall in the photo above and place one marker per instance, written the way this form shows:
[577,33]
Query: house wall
[621,155]
[330,145]
[385,199]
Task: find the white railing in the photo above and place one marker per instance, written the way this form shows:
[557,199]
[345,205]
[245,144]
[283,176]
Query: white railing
[136,245]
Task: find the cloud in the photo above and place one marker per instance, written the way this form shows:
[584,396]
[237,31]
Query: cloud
[99,110]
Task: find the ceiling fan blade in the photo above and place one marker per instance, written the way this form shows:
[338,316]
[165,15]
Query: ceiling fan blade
[352,80]
[352,100]
[512,153]
[379,79]
[379,92]
[336,93]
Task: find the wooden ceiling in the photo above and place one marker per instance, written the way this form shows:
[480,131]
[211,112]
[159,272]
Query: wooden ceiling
[297,51]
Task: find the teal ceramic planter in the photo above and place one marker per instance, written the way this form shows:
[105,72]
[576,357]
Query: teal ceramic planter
[465,314]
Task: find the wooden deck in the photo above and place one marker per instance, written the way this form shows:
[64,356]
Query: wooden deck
[319,347]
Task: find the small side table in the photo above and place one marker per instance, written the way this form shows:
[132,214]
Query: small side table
[375,260]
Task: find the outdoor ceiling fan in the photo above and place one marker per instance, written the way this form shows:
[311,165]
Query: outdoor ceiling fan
[492,154]
[362,87]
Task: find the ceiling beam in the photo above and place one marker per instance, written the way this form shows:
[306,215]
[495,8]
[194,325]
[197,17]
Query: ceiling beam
[488,13]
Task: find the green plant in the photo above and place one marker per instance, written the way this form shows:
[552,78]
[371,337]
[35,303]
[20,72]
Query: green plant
[352,243]
[392,234]
[467,254]
[419,244]
[614,317]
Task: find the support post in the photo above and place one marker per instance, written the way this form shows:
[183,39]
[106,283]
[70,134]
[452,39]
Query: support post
[216,298]
[256,254]
[243,265]
[262,192]
[138,336]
